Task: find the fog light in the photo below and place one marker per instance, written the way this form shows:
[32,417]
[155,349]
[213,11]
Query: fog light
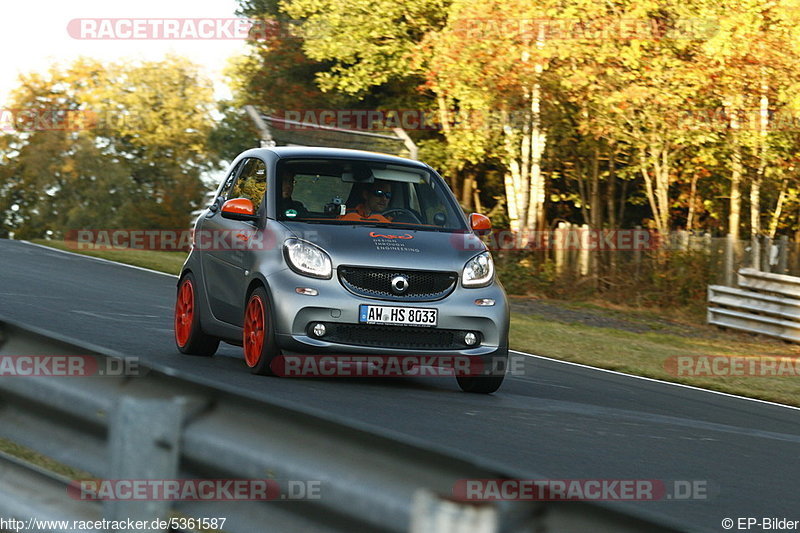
[485,302]
[319,329]
[470,339]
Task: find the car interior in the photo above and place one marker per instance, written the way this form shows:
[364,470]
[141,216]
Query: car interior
[328,189]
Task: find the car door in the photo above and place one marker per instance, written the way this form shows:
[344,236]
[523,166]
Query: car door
[226,243]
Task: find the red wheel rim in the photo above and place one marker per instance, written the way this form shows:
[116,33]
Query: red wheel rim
[253,330]
[184,313]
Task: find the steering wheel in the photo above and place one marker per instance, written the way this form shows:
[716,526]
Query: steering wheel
[402,216]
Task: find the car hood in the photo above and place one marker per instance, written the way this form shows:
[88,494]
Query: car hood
[391,248]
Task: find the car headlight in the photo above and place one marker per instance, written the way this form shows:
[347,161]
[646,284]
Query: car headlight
[479,271]
[307,259]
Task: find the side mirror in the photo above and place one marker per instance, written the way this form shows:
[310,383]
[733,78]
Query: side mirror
[239,209]
[480,224]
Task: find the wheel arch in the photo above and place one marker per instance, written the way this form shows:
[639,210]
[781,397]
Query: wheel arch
[257,281]
[183,273]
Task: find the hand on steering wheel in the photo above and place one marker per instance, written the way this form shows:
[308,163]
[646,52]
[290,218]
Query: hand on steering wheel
[401,212]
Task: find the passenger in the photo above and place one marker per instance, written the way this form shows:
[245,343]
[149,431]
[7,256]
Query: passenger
[286,205]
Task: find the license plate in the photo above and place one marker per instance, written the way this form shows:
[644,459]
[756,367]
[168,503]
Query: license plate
[397,316]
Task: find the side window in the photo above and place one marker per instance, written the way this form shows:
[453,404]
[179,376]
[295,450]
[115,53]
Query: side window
[252,182]
[224,193]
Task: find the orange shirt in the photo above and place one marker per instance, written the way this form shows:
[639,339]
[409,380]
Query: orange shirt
[359,215]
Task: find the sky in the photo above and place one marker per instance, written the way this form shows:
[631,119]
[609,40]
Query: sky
[33,36]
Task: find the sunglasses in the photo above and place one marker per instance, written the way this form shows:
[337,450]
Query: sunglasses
[385,194]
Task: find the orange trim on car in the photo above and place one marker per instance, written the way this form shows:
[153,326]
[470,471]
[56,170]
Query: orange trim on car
[241,206]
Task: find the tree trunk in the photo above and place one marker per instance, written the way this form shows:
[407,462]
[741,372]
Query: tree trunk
[692,202]
[445,117]
[536,194]
[651,186]
[467,187]
[579,173]
[663,188]
[623,201]
[755,186]
[611,190]
[776,215]
[536,214]
[736,194]
[595,207]
[610,194]
[513,178]
[736,179]
[755,222]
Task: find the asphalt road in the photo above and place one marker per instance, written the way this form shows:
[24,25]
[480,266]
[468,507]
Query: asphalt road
[557,421]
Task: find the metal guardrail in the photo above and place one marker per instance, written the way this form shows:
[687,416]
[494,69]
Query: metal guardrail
[765,303]
[160,426]
[765,281]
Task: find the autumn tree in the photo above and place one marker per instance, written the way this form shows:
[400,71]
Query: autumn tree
[753,61]
[125,145]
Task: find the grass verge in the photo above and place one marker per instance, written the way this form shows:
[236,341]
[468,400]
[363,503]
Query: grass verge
[643,354]
[169,262]
[648,354]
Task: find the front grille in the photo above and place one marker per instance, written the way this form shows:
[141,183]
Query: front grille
[395,336]
[423,285]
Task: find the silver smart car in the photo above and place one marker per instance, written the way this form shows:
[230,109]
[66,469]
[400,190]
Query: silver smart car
[330,251]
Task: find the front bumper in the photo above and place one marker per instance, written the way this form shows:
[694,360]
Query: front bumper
[338,309]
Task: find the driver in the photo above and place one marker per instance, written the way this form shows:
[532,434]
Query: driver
[375,199]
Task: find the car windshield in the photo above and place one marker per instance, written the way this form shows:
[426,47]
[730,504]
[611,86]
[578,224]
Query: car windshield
[333,191]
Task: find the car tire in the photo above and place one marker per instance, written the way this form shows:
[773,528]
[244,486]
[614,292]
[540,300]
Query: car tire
[258,335]
[492,375]
[190,338]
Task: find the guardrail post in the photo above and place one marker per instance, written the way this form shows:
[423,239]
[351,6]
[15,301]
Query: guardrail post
[144,443]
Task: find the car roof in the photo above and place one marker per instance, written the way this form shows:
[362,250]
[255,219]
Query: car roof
[338,153]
